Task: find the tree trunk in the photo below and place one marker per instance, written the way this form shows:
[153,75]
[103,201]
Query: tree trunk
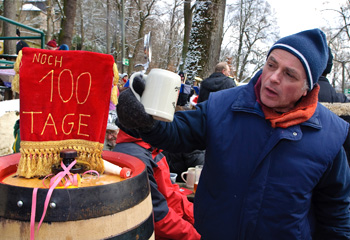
[216,35]
[205,39]
[108,38]
[9,29]
[187,31]
[67,22]
[82,32]
[171,33]
[138,45]
[49,20]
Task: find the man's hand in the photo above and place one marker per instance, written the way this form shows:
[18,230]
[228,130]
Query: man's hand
[131,113]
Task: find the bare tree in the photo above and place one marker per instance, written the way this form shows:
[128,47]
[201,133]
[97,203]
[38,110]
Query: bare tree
[49,20]
[173,26]
[91,26]
[108,34]
[338,40]
[9,29]
[206,38]
[188,13]
[251,27]
[80,40]
[143,10]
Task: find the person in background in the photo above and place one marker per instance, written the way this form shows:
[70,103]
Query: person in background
[111,131]
[20,43]
[17,143]
[185,91]
[123,82]
[173,212]
[125,77]
[63,47]
[275,166]
[180,162]
[195,92]
[182,76]
[217,81]
[52,45]
[327,93]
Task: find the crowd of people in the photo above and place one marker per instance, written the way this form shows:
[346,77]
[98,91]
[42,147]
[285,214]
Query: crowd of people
[274,162]
[50,45]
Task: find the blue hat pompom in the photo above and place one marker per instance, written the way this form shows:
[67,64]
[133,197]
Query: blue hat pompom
[311,48]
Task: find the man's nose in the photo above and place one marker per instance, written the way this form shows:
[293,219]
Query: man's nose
[110,136]
[276,76]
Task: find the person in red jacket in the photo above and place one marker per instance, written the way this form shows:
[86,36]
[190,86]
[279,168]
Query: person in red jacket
[173,213]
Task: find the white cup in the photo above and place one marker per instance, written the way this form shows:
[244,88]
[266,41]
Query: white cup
[198,171]
[191,172]
[173,177]
[161,93]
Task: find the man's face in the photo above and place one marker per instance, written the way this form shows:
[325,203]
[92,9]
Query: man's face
[282,81]
[226,71]
[125,79]
[111,136]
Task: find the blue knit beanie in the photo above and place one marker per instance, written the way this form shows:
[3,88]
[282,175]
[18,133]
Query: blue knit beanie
[310,47]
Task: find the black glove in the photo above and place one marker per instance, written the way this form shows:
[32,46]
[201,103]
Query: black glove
[131,113]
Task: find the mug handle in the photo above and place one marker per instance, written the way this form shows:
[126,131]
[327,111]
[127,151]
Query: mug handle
[131,80]
[182,176]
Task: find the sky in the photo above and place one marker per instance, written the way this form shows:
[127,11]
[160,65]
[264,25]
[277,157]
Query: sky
[297,15]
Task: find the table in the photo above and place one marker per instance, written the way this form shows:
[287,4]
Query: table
[190,197]
[7,75]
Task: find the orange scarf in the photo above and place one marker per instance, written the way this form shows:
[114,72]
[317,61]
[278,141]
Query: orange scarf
[302,112]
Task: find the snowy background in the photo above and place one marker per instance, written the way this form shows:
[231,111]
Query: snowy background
[8,117]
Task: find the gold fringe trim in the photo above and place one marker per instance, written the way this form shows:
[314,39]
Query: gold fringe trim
[18,61]
[116,74]
[114,95]
[15,81]
[37,158]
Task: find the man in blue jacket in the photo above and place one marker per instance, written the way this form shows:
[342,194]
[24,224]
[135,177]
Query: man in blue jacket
[275,167]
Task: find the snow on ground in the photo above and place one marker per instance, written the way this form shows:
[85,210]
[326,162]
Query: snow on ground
[9,106]
[8,119]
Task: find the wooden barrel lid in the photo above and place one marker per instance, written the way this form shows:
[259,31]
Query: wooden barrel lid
[105,198]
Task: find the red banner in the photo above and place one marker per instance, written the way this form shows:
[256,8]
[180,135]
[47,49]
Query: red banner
[64,95]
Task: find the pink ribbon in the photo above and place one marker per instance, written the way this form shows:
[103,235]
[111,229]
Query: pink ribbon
[70,180]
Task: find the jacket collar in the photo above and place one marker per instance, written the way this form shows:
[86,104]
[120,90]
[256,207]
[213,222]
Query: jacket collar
[123,137]
[245,99]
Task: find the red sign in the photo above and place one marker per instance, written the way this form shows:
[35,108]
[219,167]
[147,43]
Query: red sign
[64,95]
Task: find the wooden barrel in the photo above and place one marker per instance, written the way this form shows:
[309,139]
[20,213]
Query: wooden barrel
[117,210]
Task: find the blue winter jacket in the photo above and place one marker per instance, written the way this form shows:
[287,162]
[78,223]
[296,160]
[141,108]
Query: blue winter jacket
[260,182]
